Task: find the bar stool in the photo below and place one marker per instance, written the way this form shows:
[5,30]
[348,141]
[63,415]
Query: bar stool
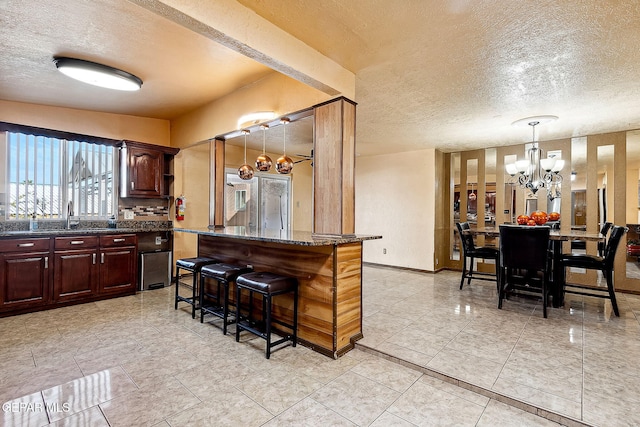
[223,274]
[268,285]
[194,265]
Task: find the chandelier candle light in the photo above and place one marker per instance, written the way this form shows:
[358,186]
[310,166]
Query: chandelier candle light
[245,171]
[536,171]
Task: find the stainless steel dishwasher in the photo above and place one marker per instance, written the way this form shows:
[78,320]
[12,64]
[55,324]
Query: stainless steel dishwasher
[155,259]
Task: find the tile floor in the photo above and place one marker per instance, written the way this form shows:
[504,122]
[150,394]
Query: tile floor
[137,361]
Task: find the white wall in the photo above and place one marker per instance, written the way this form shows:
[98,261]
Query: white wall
[395,198]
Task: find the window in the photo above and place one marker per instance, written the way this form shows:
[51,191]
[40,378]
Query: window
[44,174]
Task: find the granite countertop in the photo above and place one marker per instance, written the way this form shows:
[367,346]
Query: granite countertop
[302,238]
[56,228]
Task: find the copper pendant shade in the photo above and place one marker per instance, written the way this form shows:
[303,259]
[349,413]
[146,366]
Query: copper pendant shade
[284,165]
[263,162]
[245,171]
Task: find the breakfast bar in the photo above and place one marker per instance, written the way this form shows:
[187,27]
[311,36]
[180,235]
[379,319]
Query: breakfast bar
[328,269]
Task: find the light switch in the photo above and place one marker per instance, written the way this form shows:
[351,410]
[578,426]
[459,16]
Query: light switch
[128,215]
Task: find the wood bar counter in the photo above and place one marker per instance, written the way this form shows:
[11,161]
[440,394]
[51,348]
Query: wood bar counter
[328,268]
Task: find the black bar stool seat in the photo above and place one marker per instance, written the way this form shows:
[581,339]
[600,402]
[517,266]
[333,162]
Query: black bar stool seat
[217,304]
[194,265]
[268,285]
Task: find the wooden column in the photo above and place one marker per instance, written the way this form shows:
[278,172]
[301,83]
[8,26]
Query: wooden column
[334,167]
[217,183]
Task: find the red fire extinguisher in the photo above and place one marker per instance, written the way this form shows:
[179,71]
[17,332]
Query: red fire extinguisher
[181,204]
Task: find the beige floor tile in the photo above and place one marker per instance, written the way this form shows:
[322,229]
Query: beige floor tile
[498,414]
[276,390]
[425,405]
[356,398]
[387,419]
[86,392]
[91,417]
[309,413]
[225,409]
[472,369]
[149,406]
[387,373]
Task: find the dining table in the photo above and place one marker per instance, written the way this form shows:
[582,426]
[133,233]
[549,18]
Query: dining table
[556,236]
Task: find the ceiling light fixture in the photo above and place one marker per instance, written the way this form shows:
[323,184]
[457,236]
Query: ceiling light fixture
[245,171]
[255,118]
[284,164]
[263,162]
[536,172]
[97,74]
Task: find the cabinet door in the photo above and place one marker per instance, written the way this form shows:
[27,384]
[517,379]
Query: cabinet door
[117,270]
[145,172]
[24,279]
[76,275]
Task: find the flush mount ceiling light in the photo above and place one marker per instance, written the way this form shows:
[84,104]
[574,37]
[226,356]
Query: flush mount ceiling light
[255,118]
[536,171]
[97,74]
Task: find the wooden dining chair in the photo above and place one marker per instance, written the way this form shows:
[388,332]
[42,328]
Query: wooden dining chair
[524,262]
[595,262]
[473,252]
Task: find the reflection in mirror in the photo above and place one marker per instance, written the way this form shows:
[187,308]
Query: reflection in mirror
[455,179]
[633,204]
[300,148]
[490,180]
[472,194]
[605,184]
[510,193]
[578,183]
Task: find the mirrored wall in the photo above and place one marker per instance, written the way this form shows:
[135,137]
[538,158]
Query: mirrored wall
[600,182]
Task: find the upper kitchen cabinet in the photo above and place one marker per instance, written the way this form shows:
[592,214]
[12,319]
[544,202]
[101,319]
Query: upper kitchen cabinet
[146,170]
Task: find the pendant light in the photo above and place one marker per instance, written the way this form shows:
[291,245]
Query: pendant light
[284,164]
[245,171]
[263,162]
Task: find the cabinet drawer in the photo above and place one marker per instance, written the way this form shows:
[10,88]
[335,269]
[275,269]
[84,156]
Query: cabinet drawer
[118,240]
[22,245]
[79,242]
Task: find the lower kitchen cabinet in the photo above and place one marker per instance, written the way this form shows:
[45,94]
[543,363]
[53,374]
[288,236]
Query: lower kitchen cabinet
[118,264]
[25,274]
[82,268]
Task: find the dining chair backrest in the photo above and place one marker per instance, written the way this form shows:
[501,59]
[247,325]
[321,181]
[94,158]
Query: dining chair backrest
[612,245]
[605,228]
[466,238]
[524,247]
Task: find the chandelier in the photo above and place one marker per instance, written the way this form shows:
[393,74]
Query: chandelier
[536,171]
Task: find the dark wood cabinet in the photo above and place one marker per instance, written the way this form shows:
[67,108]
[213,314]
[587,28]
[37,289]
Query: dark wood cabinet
[45,272]
[75,268]
[118,263]
[25,273]
[145,170]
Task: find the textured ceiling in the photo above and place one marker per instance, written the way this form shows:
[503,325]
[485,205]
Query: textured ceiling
[181,70]
[429,74]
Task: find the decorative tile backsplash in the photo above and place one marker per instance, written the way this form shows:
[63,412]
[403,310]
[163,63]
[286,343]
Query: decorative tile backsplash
[148,210]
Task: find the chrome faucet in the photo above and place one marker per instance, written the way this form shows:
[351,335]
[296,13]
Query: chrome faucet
[69,214]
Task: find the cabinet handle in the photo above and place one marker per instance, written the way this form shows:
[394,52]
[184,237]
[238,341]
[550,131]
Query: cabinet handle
[25,245]
[94,258]
[118,240]
[76,242]
[46,262]
[102,258]
[133,186]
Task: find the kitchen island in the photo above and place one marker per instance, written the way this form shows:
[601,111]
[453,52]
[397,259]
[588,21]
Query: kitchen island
[328,268]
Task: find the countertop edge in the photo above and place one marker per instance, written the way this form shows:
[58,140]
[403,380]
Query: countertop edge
[308,241]
[84,231]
